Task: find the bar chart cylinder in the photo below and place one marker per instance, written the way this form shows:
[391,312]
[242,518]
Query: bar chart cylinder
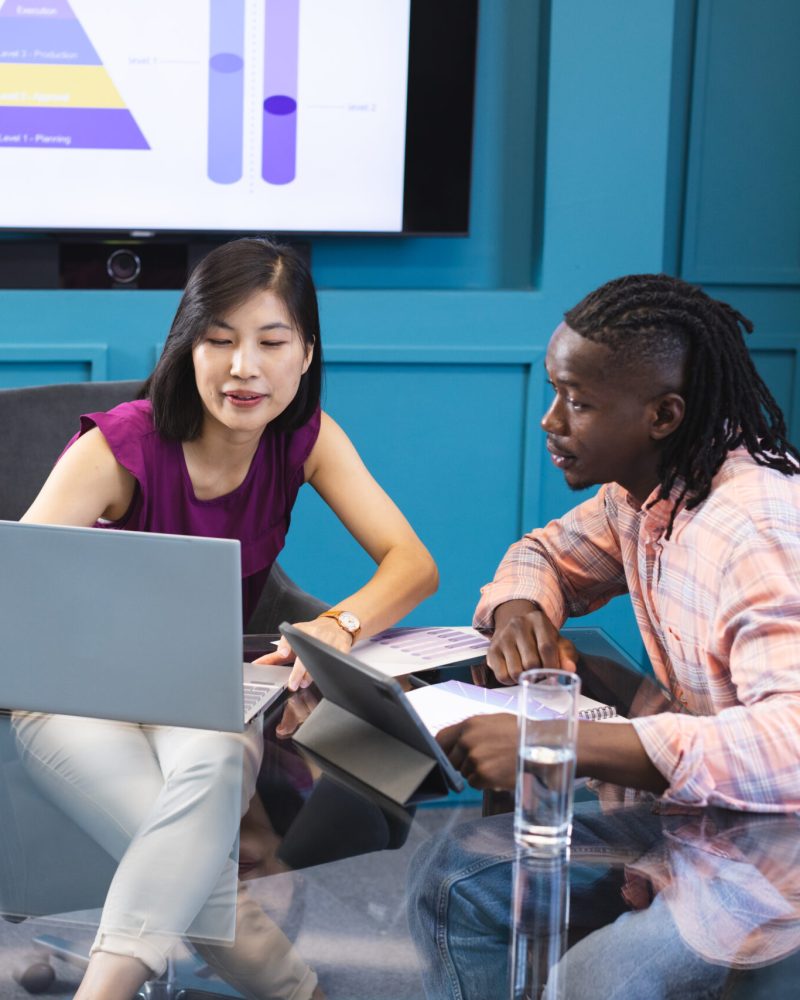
[279,135]
[226,91]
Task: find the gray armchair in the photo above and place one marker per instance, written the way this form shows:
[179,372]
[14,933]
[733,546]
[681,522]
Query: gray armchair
[35,424]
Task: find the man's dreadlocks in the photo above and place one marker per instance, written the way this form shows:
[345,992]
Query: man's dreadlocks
[654,318]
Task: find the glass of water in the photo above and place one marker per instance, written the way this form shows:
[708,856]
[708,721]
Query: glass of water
[548,729]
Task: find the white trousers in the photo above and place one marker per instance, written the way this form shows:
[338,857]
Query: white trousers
[166,804]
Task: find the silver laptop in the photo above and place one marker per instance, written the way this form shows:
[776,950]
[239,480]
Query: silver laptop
[126,625]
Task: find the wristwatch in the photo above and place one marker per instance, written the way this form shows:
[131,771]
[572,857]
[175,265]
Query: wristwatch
[346,620]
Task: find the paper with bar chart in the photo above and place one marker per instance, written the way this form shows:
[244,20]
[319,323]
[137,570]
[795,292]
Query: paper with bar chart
[203,114]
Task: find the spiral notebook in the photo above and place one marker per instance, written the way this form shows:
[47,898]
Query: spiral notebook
[441,705]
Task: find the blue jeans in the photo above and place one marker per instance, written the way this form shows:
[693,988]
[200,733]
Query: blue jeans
[460,916]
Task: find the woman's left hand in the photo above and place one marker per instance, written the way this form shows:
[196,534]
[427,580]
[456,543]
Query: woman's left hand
[324,629]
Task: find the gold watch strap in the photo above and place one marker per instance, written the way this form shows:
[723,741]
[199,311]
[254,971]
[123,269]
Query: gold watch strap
[334,613]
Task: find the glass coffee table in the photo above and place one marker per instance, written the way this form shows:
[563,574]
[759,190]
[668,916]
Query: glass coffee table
[432,900]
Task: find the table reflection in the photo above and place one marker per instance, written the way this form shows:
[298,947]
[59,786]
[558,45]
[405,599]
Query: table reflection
[650,902]
[540,911]
[141,825]
[646,905]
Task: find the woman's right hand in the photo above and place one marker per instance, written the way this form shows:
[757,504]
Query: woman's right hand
[526,639]
[324,629]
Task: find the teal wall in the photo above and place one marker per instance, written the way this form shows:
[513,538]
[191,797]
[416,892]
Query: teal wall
[627,135]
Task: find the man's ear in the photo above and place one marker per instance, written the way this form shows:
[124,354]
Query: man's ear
[667,415]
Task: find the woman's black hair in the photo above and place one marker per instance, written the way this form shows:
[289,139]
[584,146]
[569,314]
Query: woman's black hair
[223,280]
[656,319]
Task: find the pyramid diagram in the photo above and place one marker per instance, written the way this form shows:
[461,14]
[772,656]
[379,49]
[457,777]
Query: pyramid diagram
[54,90]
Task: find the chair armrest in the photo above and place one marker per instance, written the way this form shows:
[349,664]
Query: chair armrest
[282,600]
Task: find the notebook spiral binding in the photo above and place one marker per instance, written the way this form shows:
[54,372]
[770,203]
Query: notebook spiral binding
[595,714]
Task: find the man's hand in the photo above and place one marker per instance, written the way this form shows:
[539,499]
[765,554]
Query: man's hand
[524,639]
[484,749]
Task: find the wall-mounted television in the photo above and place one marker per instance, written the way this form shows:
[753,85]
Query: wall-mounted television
[140,118]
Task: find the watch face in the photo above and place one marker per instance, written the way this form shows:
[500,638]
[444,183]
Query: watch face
[349,621]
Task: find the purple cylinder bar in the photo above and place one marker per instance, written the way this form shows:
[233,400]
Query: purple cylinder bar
[279,136]
[226,91]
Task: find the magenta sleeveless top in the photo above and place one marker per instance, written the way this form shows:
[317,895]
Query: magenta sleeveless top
[257,512]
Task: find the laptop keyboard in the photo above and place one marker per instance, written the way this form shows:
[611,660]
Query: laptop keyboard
[258,696]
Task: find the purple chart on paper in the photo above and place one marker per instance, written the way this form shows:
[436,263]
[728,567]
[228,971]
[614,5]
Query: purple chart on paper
[226,91]
[279,135]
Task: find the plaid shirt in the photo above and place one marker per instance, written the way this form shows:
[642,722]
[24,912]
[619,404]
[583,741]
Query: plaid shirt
[718,606]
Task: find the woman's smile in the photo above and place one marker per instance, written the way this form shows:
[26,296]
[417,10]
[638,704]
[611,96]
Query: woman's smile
[244,400]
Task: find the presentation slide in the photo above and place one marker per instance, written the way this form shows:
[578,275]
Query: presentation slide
[231,115]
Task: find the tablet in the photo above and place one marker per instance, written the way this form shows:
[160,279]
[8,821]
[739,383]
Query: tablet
[367,727]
